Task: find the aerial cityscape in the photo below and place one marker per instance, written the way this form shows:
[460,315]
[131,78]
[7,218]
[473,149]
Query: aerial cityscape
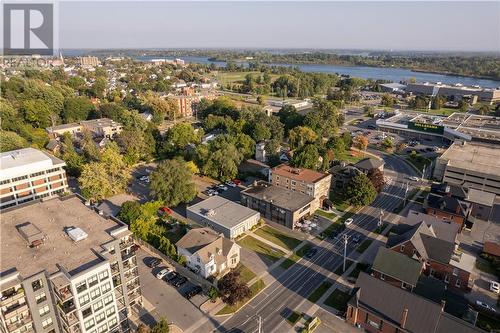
[242,167]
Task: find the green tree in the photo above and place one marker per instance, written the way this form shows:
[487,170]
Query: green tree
[136,145]
[161,327]
[437,103]
[360,191]
[387,100]
[300,136]
[117,170]
[306,157]
[94,182]
[11,141]
[98,87]
[289,117]
[74,161]
[261,100]
[37,112]
[172,183]
[77,108]
[232,288]
[129,211]
[484,110]
[325,119]
[222,163]
[182,134]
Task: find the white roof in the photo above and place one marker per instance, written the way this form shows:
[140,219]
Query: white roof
[21,162]
[77,234]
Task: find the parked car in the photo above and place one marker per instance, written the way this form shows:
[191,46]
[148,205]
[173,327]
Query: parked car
[153,262]
[193,292]
[311,253]
[414,178]
[170,277]
[144,179]
[495,287]
[179,281]
[237,181]
[485,306]
[222,187]
[348,221]
[164,271]
[372,127]
[231,184]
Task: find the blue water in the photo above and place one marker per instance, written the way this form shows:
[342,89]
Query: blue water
[392,74]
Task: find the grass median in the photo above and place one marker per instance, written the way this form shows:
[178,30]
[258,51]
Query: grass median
[296,256]
[316,295]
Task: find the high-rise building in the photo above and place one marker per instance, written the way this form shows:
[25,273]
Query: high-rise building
[28,174]
[89,61]
[66,269]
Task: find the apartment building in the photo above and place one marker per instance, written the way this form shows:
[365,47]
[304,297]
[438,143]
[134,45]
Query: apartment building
[102,128]
[472,165]
[187,102]
[305,181]
[89,61]
[66,269]
[28,174]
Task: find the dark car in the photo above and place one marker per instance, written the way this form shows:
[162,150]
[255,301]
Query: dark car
[179,281]
[311,253]
[171,277]
[193,292]
[371,127]
[153,262]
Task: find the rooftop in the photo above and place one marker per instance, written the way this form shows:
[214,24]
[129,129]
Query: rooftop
[369,163]
[474,157]
[52,217]
[222,211]
[21,162]
[102,122]
[397,265]
[278,196]
[206,242]
[443,229]
[299,174]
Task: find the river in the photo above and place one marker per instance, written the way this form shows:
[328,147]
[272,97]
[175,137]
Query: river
[382,73]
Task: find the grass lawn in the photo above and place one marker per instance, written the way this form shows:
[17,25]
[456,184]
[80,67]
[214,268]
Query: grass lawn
[325,214]
[338,300]
[485,266]
[418,161]
[230,77]
[362,248]
[360,267]
[261,248]
[293,318]
[245,273]
[339,271]
[296,256]
[277,237]
[176,233]
[351,157]
[440,112]
[316,295]
[488,323]
[338,203]
[254,290]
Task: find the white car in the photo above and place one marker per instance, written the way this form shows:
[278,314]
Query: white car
[144,178]
[485,306]
[495,287]
[414,178]
[161,274]
[348,221]
[222,187]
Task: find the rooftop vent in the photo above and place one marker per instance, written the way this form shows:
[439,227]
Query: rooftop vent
[31,234]
[209,212]
[76,234]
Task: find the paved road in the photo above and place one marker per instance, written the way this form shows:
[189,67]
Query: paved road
[299,281]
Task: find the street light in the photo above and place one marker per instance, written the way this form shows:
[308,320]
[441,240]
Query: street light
[380,218]
[406,191]
[345,251]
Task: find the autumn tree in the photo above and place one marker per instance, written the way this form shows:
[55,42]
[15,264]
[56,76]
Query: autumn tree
[300,136]
[360,191]
[360,142]
[377,178]
[232,288]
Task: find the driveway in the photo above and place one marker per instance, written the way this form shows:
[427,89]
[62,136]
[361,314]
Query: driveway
[167,300]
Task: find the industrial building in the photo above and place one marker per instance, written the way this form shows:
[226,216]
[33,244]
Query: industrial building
[28,174]
[456,92]
[223,216]
[65,268]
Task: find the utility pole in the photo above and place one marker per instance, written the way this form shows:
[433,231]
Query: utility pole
[406,191]
[259,321]
[423,171]
[345,251]
[380,218]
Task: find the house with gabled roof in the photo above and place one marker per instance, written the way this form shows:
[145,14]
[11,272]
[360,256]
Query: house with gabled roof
[442,259]
[207,252]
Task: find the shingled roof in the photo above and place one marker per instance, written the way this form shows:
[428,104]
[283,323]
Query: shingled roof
[397,265]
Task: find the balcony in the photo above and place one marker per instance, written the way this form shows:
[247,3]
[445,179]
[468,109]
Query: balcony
[132,274]
[67,307]
[70,319]
[11,295]
[15,310]
[117,281]
[20,323]
[134,295]
[73,329]
[64,293]
[115,269]
[127,255]
[130,263]
[132,286]
[126,243]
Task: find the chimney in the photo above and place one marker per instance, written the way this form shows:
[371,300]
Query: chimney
[404,317]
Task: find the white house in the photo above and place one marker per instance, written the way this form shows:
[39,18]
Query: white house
[207,252]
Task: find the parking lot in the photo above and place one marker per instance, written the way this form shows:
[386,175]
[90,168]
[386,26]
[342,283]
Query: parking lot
[168,300]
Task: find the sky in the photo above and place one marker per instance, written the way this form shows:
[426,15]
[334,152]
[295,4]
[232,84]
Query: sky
[405,25]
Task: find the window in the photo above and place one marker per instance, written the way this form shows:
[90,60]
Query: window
[84,299]
[458,283]
[89,324]
[294,183]
[455,272]
[81,286]
[112,322]
[414,252]
[43,311]
[108,299]
[405,286]
[373,324]
[106,287]
[382,276]
[100,317]
[47,322]
[95,293]
[102,328]
[110,311]
[86,312]
[103,275]
[446,279]
[402,248]
[97,306]
[92,281]
[37,285]
[40,298]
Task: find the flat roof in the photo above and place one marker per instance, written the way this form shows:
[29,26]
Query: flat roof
[222,211]
[473,156]
[299,174]
[51,217]
[21,162]
[278,196]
